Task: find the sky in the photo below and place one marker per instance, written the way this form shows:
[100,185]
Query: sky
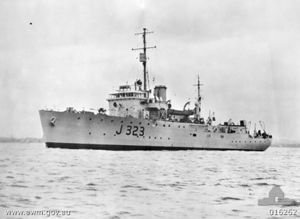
[60,53]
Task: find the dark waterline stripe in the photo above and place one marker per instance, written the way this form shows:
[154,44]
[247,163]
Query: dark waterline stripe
[134,147]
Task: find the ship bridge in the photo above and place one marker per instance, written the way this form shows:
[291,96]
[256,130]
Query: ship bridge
[128,102]
[125,92]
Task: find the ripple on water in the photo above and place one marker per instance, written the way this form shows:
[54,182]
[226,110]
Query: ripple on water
[236,210]
[24,201]
[91,184]
[63,178]
[257,178]
[211,169]
[244,185]
[230,198]
[91,189]
[140,188]
[18,186]
[114,217]
[262,184]
[123,212]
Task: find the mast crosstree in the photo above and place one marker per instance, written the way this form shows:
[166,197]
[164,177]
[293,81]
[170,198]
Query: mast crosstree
[143,56]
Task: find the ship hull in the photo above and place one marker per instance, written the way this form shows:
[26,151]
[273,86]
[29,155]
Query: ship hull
[86,130]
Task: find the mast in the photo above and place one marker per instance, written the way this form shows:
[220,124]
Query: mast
[198,110]
[143,56]
[198,87]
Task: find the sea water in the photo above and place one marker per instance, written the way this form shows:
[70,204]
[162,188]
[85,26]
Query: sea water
[144,184]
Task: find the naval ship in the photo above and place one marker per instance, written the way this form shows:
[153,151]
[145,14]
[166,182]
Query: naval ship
[139,118]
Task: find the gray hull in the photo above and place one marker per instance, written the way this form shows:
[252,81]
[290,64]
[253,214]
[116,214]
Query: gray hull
[99,131]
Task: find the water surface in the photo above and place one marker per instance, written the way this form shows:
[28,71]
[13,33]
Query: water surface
[145,184]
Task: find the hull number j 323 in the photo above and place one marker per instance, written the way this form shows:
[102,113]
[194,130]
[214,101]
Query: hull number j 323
[132,130]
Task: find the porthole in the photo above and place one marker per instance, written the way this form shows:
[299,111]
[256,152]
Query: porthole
[111,120]
[104,134]
[179,126]
[169,125]
[90,118]
[194,135]
[160,137]
[149,137]
[90,133]
[148,123]
[122,121]
[154,137]
[130,122]
[222,136]
[164,125]
[78,118]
